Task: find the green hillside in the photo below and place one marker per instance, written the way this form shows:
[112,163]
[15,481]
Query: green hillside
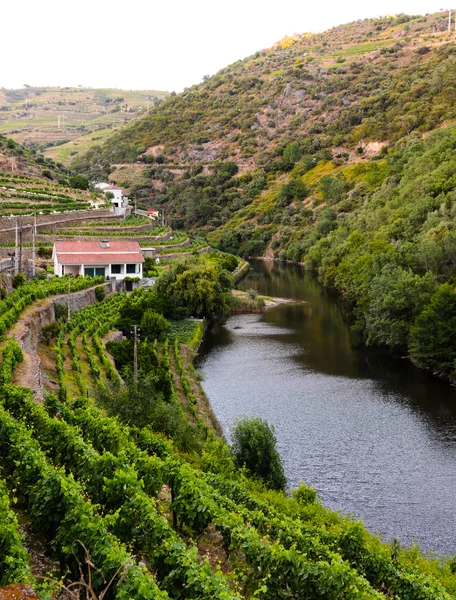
[64,119]
[30,181]
[123,489]
[334,150]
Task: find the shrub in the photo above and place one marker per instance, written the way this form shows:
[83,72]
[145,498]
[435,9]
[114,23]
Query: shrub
[254,446]
[100,293]
[49,332]
[154,325]
[78,182]
[44,252]
[18,280]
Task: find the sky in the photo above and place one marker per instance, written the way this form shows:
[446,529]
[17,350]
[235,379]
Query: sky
[159,45]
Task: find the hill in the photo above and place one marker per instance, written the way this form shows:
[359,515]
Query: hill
[65,120]
[121,487]
[334,150]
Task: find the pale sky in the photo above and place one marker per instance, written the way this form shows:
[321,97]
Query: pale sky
[164,45]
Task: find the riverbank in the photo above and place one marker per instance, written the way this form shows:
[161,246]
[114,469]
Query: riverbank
[246,302]
[374,435]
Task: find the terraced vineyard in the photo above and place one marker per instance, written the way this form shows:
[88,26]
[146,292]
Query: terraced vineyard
[68,120]
[122,503]
[20,194]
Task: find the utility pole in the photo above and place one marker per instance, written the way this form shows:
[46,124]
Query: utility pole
[449,20]
[20,246]
[16,253]
[135,353]
[33,246]
[58,122]
[69,297]
[163,217]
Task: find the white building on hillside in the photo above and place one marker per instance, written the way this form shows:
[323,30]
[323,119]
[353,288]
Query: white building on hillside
[119,201]
[114,258]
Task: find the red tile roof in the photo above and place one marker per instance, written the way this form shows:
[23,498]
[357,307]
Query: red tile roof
[99,259]
[95,246]
[88,252]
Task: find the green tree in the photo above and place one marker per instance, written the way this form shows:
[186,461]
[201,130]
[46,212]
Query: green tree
[78,182]
[433,336]
[397,296]
[196,286]
[154,325]
[292,152]
[254,445]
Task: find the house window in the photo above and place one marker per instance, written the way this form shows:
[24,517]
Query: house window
[89,271]
[131,268]
[116,269]
[100,271]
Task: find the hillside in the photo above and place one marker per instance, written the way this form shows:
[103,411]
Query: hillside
[67,120]
[112,485]
[335,150]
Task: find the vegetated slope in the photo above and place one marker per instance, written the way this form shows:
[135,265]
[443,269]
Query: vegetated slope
[322,150]
[198,527]
[29,181]
[374,79]
[31,115]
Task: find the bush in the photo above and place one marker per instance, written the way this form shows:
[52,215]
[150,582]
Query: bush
[18,280]
[254,446]
[154,325]
[78,182]
[44,252]
[49,332]
[304,494]
[100,293]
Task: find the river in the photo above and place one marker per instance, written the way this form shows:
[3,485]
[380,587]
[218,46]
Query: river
[375,436]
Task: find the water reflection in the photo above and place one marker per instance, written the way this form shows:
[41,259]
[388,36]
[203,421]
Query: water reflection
[375,436]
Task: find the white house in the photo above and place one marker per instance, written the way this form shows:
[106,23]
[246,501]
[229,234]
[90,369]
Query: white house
[117,195]
[119,201]
[108,258]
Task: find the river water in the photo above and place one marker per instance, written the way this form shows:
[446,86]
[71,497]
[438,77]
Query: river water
[375,436]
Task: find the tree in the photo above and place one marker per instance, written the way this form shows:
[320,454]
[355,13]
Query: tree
[254,446]
[154,325]
[397,297]
[433,336]
[292,152]
[78,182]
[195,287]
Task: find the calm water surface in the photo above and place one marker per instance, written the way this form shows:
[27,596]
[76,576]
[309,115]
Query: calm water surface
[375,436]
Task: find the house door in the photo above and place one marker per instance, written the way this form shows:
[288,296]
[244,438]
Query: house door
[129,286]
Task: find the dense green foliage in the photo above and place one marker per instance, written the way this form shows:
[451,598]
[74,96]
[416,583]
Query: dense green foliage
[197,287]
[114,484]
[14,304]
[14,560]
[313,151]
[254,446]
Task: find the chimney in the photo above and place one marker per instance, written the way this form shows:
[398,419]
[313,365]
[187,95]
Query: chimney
[105,243]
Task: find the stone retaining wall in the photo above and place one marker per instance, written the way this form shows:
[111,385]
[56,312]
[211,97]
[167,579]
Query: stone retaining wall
[8,224]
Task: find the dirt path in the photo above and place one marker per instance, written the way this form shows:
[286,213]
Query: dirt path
[27,330]
[26,333]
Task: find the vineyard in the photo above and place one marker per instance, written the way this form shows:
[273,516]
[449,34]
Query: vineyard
[20,194]
[129,513]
